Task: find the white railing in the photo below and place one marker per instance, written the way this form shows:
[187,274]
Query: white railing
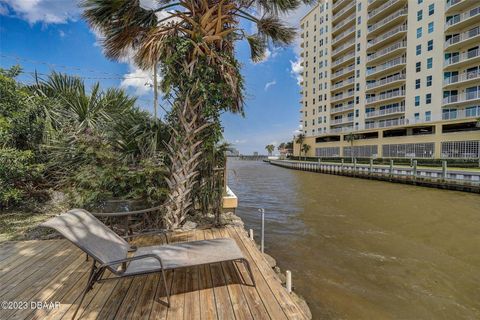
[385,123]
[348,107]
[386,35]
[462,57]
[451,3]
[463,36]
[462,17]
[387,65]
[461,114]
[343,71]
[343,22]
[387,80]
[343,83]
[384,6]
[463,97]
[385,96]
[339,2]
[462,77]
[386,20]
[342,96]
[343,35]
[343,59]
[341,12]
[343,46]
[378,54]
[341,120]
[384,112]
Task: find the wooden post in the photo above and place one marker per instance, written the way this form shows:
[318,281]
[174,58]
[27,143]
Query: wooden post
[371,166]
[391,169]
[414,169]
[444,170]
[288,284]
[341,166]
[250,234]
[354,166]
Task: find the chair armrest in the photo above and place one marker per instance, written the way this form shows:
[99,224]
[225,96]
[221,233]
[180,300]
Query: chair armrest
[125,261]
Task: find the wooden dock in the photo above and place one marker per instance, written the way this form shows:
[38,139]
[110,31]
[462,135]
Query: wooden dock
[56,271]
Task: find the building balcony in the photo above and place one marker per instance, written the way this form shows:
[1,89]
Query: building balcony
[462,99]
[463,39]
[383,84]
[385,9]
[341,129]
[344,47]
[372,4]
[343,24]
[347,71]
[458,5]
[343,84]
[392,20]
[462,79]
[391,35]
[461,21]
[385,97]
[471,112]
[342,96]
[344,60]
[339,5]
[464,59]
[385,123]
[385,112]
[344,12]
[343,36]
[390,66]
[336,122]
[348,107]
[386,53]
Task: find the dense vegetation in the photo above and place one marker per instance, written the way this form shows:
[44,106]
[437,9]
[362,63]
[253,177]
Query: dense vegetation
[92,144]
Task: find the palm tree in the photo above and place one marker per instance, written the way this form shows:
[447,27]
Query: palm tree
[305,148]
[193,42]
[281,146]
[270,148]
[299,140]
[351,138]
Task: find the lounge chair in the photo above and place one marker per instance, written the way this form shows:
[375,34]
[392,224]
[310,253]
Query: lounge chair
[110,251]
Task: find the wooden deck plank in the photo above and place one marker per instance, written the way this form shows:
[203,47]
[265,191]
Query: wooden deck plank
[208,309]
[222,297]
[286,302]
[252,297]
[55,284]
[218,291]
[192,293]
[274,309]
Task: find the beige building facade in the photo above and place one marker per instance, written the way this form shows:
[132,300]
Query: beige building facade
[402,78]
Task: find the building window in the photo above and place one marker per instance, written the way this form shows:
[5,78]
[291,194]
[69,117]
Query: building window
[429,63]
[358,46]
[419,49]
[419,15]
[419,32]
[428,98]
[358,60]
[430,27]
[417,101]
[359,33]
[359,6]
[418,66]
[428,116]
[431,9]
[417,116]
[430,45]
[359,20]
[419,1]
[429,81]
[417,84]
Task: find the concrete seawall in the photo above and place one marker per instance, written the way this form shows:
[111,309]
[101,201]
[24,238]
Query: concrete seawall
[461,180]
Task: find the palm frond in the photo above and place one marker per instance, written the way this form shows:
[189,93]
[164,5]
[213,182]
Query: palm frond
[272,28]
[258,47]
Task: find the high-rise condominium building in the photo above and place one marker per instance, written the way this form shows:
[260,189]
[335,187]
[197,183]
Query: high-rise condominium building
[402,78]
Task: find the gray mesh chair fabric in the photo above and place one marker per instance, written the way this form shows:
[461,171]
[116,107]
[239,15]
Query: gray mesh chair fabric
[110,251]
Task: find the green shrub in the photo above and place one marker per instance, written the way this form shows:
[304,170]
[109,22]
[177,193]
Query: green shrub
[19,176]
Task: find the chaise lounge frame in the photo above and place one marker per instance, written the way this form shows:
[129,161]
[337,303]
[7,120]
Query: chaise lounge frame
[82,229]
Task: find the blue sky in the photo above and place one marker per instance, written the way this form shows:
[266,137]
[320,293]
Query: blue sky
[45,35]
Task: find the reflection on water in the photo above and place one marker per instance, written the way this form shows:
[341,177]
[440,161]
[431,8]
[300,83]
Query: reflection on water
[362,249]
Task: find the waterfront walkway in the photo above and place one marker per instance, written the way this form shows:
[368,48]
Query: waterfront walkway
[56,271]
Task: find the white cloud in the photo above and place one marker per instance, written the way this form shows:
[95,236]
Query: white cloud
[46,11]
[240,141]
[296,69]
[61,34]
[269,84]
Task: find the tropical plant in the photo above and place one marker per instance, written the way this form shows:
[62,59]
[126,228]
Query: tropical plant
[281,146]
[305,148]
[194,45]
[270,148]
[299,140]
[351,137]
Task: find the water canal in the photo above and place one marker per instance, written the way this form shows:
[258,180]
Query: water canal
[363,249]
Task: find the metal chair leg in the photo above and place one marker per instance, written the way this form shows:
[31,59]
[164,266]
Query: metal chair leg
[166,288]
[88,287]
